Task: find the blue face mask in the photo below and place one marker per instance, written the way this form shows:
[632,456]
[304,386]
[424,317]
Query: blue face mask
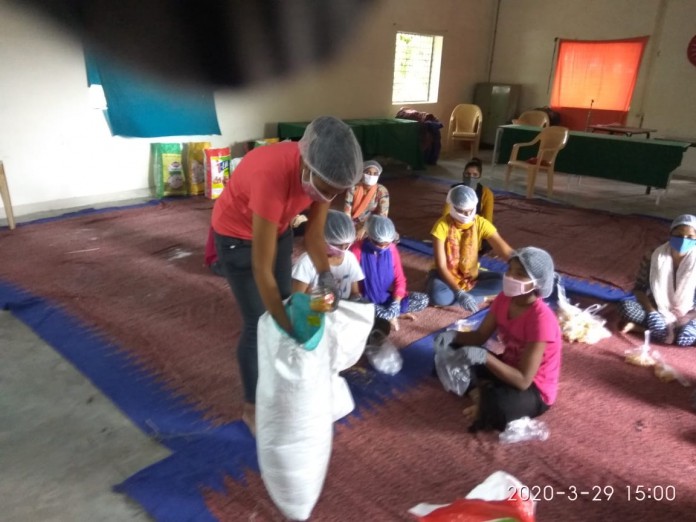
[682,244]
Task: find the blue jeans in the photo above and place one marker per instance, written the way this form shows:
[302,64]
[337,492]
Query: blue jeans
[235,257]
[488,283]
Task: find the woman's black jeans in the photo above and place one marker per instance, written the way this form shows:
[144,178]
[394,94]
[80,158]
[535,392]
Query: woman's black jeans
[235,258]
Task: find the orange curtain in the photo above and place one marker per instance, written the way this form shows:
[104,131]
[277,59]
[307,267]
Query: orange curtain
[603,71]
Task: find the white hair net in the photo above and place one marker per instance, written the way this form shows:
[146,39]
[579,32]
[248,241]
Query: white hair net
[372,163]
[462,197]
[380,229]
[539,266]
[339,228]
[330,149]
[684,219]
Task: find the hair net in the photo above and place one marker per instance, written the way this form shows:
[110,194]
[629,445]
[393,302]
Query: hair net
[462,197]
[372,163]
[339,228]
[539,266]
[330,149]
[380,229]
[684,219]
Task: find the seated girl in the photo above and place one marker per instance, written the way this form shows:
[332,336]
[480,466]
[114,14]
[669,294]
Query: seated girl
[455,276]
[471,177]
[339,234]
[523,380]
[367,198]
[385,282]
[665,288]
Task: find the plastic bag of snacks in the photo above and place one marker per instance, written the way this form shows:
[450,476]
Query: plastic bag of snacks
[217,171]
[167,169]
[585,326]
[194,166]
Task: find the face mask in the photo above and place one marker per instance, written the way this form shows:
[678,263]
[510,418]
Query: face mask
[462,218]
[512,287]
[470,182]
[370,180]
[682,244]
[313,192]
[371,246]
[334,251]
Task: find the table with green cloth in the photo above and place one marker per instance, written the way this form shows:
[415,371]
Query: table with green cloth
[390,137]
[633,160]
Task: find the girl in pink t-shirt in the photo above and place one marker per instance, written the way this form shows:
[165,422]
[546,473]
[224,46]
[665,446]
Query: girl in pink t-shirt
[523,380]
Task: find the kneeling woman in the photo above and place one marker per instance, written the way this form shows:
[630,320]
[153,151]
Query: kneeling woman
[457,237]
[385,282]
[665,288]
[523,380]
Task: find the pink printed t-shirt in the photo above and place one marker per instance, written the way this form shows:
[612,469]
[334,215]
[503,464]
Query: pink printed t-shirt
[267,182]
[536,324]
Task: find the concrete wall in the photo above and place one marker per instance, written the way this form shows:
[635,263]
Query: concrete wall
[58,152]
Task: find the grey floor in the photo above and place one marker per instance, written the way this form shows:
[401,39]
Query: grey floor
[63,444]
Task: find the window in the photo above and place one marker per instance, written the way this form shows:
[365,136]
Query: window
[597,74]
[416,68]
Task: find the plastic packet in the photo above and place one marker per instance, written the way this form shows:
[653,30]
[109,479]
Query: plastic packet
[464,325]
[524,429]
[641,356]
[585,326]
[383,355]
[667,373]
[452,369]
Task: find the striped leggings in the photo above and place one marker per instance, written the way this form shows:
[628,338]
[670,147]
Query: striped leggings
[654,321]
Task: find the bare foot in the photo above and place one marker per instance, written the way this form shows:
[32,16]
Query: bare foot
[471,413]
[408,317]
[249,417]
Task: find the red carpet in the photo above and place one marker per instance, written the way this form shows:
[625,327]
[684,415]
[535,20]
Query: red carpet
[128,274]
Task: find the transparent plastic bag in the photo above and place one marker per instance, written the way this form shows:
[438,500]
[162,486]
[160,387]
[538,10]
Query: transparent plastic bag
[641,356]
[452,369]
[524,429]
[585,326]
[666,372]
[383,355]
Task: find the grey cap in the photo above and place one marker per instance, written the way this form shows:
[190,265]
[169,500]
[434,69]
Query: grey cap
[539,266]
[372,163]
[684,219]
[339,228]
[380,229]
[330,149]
[462,197]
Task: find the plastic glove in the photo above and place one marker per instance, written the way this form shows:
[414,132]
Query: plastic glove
[466,301]
[328,284]
[474,355]
[444,339]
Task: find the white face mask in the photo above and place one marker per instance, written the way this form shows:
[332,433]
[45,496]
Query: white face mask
[370,180]
[312,191]
[512,287]
[462,218]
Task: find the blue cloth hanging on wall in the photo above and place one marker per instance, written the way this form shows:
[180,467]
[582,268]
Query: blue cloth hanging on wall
[142,107]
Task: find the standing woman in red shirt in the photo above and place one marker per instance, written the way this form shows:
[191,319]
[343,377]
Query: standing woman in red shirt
[253,237]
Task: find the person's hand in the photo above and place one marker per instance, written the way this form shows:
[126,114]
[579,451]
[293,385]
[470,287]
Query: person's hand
[474,355]
[360,233]
[466,301]
[444,339]
[328,285]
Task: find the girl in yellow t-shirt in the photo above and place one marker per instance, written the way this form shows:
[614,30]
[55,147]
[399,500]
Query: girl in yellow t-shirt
[455,276]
